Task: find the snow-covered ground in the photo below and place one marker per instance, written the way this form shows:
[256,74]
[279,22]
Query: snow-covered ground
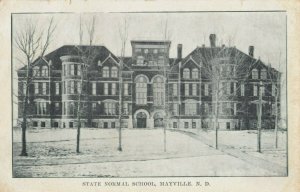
[51,153]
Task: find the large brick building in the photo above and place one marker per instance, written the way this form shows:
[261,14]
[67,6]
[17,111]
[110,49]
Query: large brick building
[157,90]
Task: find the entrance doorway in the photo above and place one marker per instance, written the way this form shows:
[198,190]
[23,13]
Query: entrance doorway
[141,120]
[158,119]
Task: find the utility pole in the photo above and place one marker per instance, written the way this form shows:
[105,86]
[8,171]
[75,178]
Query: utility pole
[120,104]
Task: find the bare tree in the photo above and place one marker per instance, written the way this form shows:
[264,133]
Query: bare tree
[32,43]
[87,56]
[221,77]
[278,82]
[123,32]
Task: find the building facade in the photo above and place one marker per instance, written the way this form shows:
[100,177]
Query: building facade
[157,90]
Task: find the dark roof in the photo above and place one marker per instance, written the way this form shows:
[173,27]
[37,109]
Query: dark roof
[99,52]
[151,42]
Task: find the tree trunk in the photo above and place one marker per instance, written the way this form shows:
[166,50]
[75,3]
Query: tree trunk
[276,121]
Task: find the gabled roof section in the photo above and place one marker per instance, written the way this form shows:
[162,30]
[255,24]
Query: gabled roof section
[99,53]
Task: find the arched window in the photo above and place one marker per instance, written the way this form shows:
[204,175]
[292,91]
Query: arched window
[36,71]
[263,74]
[141,90]
[114,72]
[105,72]
[44,71]
[158,90]
[254,74]
[195,73]
[186,73]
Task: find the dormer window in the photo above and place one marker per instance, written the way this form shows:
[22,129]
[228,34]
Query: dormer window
[195,73]
[105,72]
[99,63]
[186,73]
[44,71]
[114,72]
[254,74]
[36,71]
[263,74]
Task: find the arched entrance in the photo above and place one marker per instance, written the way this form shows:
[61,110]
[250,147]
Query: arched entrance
[158,119]
[141,118]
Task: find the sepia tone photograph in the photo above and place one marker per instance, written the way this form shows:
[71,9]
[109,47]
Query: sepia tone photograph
[149,94]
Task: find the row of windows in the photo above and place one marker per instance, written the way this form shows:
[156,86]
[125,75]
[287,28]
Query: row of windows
[40,71]
[146,51]
[110,72]
[187,75]
[263,74]
[159,61]
[72,69]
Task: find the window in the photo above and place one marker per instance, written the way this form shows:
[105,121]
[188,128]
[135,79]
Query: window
[206,89]
[113,125]
[41,108]
[140,60]
[186,125]
[72,87]
[24,88]
[105,88]
[146,51]
[35,124]
[161,60]
[186,73]
[195,73]
[206,108]
[174,124]
[78,70]
[194,125]
[44,88]
[158,91]
[55,124]
[141,90]
[254,74]
[138,50]
[64,70]
[228,86]
[113,88]
[43,124]
[94,106]
[175,90]
[110,108]
[191,108]
[125,88]
[155,51]
[175,109]
[36,71]
[242,89]
[105,125]
[254,90]
[234,108]
[125,108]
[114,72]
[263,90]
[273,89]
[194,90]
[78,87]
[94,88]
[72,70]
[105,72]
[263,74]
[186,89]
[56,106]
[44,71]
[57,88]
[71,124]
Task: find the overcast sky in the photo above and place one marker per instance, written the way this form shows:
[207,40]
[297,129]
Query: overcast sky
[266,31]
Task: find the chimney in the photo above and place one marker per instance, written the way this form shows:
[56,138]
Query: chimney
[179,51]
[251,51]
[212,39]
